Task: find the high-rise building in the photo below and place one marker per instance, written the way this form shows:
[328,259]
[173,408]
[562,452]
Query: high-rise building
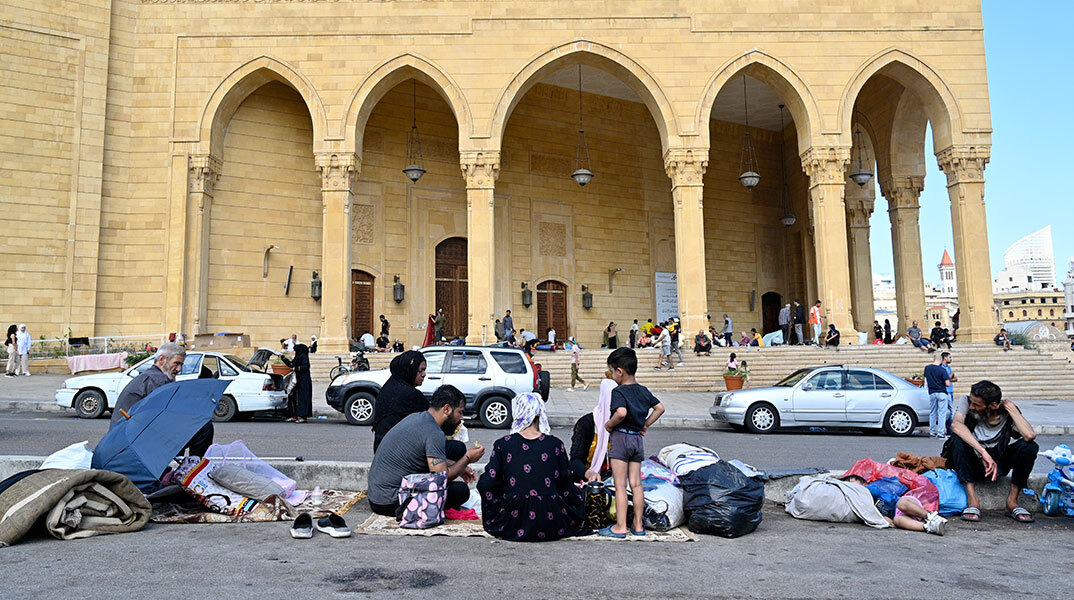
[1028,264]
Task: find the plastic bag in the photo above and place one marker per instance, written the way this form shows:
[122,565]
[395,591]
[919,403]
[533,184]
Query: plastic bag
[663,505]
[952,492]
[195,476]
[920,487]
[655,470]
[236,453]
[684,458]
[886,492]
[247,483]
[76,456]
[721,500]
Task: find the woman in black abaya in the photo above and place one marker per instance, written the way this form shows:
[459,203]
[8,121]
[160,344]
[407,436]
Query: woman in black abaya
[400,396]
[303,392]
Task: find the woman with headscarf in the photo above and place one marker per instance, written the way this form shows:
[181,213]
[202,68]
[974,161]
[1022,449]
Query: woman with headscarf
[400,395]
[303,392]
[527,492]
[589,443]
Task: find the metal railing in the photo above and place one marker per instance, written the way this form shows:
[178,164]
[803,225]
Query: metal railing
[106,344]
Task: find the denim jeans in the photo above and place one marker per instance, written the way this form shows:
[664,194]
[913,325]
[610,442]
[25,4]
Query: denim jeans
[950,410]
[938,413]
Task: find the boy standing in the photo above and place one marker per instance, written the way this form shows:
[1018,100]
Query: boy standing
[576,362]
[633,410]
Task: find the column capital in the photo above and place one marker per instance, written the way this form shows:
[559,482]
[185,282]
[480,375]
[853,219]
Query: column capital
[686,166]
[964,164]
[203,173]
[858,213]
[480,168]
[903,191]
[338,170]
[825,164]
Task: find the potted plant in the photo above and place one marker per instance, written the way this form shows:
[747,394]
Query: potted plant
[734,379]
[917,379]
[279,368]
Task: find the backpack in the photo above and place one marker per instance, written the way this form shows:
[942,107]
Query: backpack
[421,500]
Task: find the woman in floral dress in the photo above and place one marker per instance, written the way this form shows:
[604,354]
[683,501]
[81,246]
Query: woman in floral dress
[527,491]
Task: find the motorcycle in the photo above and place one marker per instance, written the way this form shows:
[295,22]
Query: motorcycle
[1057,497]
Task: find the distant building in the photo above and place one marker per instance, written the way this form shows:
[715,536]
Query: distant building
[948,281]
[1028,264]
[941,301]
[1068,310]
[1046,306]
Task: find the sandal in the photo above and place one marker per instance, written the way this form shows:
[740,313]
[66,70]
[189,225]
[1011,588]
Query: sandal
[300,421]
[640,533]
[607,532]
[1021,515]
[333,525]
[302,528]
[971,514]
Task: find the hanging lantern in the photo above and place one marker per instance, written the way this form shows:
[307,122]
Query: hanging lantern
[788,217]
[413,168]
[748,164]
[861,176]
[581,175]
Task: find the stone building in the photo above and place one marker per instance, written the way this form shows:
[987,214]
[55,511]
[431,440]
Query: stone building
[187,165]
[1045,306]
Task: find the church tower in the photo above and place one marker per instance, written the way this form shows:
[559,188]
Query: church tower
[948,282]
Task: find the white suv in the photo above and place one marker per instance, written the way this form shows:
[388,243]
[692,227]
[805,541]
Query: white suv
[489,377]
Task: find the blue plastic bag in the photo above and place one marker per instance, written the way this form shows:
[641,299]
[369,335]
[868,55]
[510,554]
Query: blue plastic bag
[952,494]
[886,493]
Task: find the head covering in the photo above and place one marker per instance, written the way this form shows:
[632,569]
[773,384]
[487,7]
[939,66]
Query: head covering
[405,366]
[527,407]
[301,349]
[601,413]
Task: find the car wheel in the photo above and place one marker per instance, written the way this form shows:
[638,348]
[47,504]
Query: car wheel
[359,408]
[900,421]
[226,410]
[496,413]
[90,404]
[762,418]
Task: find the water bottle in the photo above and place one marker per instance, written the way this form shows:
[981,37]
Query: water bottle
[316,497]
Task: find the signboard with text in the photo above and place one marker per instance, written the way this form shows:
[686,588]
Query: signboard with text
[667,295]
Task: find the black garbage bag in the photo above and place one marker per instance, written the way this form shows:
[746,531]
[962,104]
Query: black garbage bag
[721,500]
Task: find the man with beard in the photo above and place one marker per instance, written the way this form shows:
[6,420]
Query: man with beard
[991,438]
[418,444]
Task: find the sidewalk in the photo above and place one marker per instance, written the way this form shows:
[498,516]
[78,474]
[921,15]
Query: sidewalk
[687,410]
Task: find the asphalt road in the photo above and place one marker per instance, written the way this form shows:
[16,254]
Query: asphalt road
[40,434]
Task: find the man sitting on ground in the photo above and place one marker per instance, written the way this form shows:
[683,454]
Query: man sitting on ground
[418,444]
[1003,340]
[914,334]
[832,337]
[940,336]
[991,438]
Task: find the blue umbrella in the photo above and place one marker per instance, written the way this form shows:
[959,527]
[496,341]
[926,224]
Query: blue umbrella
[159,427]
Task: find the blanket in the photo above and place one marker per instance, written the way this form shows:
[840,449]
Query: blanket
[919,464]
[72,504]
[272,508]
[382,525]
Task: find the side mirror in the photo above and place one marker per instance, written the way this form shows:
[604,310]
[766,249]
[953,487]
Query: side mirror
[807,387]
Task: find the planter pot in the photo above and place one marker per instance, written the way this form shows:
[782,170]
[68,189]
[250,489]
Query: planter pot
[917,382]
[733,382]
[281,369]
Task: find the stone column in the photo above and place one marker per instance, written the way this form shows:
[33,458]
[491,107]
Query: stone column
[964,167]
[861,262]
[203,173]
[480,169]
[338,171]
[826,168]
[903,195]
[686,168]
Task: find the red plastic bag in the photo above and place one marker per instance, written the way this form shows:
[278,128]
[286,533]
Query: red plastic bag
[920,487]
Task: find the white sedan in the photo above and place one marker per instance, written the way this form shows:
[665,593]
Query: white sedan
[249,391]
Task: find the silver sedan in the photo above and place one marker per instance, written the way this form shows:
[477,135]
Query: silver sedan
[828,396]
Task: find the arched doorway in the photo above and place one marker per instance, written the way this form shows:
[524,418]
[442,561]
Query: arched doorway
[361,303]
[552,308]
[770,304]
[451,284]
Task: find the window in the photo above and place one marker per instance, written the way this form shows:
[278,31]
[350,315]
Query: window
[1040,312]
[1006,303]
[434,361]
[827,381]
[1025,314]
[1010,314]
[860,380]
[226,370]
[142,367]
[238,363]
[881,383]
[1043,300]
[191,365]
[510,362]
[467,361]
[1055,300]
[1032,300]
[1051,312]
[210,367]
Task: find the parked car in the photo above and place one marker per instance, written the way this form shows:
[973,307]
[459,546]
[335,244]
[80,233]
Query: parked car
[827,396]
[250,391]
[489,377]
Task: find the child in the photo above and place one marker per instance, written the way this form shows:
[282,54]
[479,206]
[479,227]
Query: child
[633,410]
[909,514]
[732,362]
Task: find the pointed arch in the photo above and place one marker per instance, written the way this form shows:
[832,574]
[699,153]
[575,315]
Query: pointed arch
[780,77]
[592,54]
[243,81]
[390,74]
[915,75]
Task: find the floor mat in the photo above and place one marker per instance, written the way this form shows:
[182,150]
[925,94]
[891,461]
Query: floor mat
[382,525]
[272,509]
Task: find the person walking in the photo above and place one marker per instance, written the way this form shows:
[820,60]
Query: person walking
[385,326]
[728,331]
[663,345]
[576,362]
[11,343]
[814,320]
[22,339]
[951,379]
[634,334]
[508,324]
[937,381]
[799,319]
[784,321]
[676,346]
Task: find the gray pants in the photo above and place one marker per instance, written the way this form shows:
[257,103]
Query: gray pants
[676,348]
[798,332]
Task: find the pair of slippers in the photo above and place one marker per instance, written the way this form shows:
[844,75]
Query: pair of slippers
[334,525]
[607,532]
[973,515]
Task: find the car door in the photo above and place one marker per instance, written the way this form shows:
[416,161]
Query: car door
[821,397]
[468,371]
[434,371]
[867,396]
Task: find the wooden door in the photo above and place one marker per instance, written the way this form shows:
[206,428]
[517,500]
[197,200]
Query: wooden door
[770,305]
[451,283]
[361,303]
[552,309]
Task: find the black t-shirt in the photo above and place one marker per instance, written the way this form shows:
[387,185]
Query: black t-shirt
[936,377]
[637,400]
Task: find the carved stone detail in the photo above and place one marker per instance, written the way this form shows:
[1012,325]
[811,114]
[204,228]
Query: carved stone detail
[204,173]
[480,169]
[363,224]
[964,164]
[551,239]
[825,164]
[686,166]
[338,170]
[904,192]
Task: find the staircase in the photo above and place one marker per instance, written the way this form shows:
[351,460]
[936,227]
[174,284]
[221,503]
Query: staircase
[1021,373]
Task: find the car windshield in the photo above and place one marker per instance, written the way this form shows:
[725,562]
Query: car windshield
[793,379]
[238,363]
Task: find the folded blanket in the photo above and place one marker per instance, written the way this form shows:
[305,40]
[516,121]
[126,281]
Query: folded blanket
[72,504]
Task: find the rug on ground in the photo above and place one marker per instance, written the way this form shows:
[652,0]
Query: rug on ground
[382,525]
[271,509]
